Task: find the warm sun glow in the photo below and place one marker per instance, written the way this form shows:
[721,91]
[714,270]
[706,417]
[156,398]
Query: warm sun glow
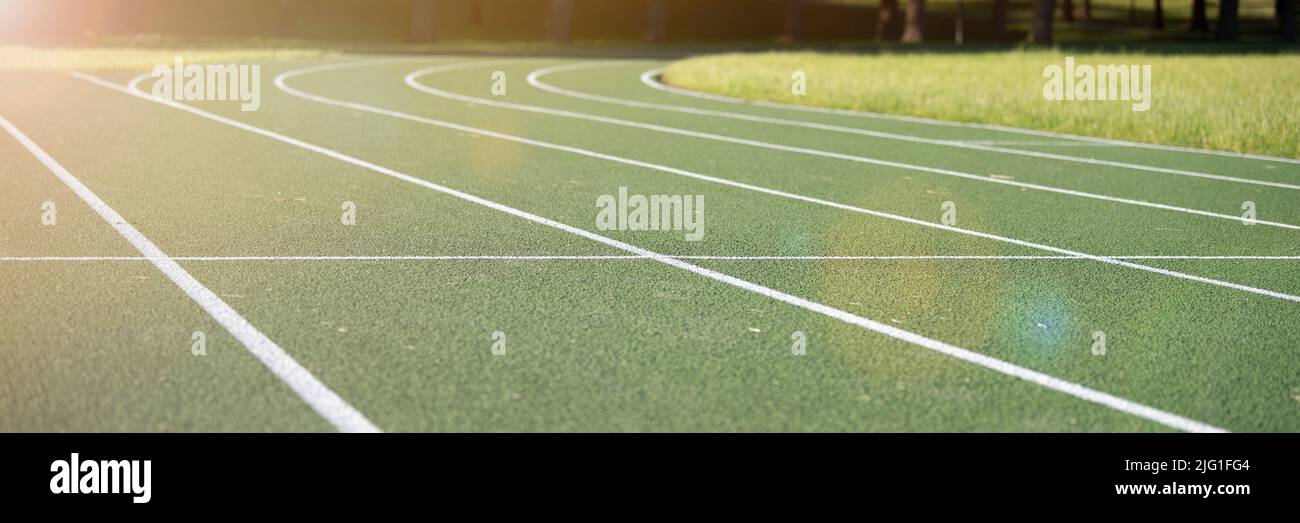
[9,14]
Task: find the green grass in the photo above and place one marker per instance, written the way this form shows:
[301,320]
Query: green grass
[1242,103]
[612,345]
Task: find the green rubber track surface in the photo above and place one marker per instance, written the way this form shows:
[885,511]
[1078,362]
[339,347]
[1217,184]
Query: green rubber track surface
[399,314]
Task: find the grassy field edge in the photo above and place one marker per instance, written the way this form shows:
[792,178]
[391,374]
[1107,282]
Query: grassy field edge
[1242,103]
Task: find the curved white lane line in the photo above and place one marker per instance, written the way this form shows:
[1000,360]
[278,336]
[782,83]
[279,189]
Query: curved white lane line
[563,257]
[412,81]
[651,78]
[1114,402]
[534,79]
[319,397]
[1051,143]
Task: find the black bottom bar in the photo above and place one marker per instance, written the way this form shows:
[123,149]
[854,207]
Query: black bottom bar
[324,472]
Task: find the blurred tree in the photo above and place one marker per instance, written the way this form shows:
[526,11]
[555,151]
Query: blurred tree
[913,31]
[1199,22]
[1042,33]
[1285,11]
[793,19]
[1084,11]
[656,15]
[127,18]
[1225,28]
[1158,16]
[476,12]
[284,24]
[1000,20]
[559,23]
[1067,10]
[887,20]
[422,20]
[958,33]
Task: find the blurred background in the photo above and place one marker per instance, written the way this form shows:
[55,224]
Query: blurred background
[1227,68]
[771,22]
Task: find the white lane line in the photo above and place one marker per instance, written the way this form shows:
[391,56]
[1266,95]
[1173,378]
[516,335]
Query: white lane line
[1044,143]
[412,80]
[280,83]
[534,79]
[1073,389]
[651,78]
[321,399]
[486,257]
[134,83]
[561,257]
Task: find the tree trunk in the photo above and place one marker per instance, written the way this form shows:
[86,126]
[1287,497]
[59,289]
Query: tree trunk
[1158,16]
[913,33]
[1084,10]
[1199,22]
[1067,10]
[1225,28]
[422,20]
[1286,20]
[656,15]
[1043,10]
[1000,20]
[958,34]
[793,20]
[887,20]
[476,12]
[559,23]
